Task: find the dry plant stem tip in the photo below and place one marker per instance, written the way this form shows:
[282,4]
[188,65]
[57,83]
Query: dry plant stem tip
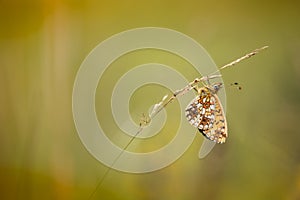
[256,51]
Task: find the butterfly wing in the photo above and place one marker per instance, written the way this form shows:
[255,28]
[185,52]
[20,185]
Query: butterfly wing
[218,132]
[206,113]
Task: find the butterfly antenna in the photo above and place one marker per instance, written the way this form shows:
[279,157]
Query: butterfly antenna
[237,85]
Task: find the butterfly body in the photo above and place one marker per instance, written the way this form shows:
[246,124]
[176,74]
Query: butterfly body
[206,113]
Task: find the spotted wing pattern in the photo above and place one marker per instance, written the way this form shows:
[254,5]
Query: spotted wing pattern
[205,112]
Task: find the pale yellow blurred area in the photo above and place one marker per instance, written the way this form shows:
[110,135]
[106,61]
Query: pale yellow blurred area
[42,45]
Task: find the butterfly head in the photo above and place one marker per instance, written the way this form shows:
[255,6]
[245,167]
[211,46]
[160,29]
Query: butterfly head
[214,88]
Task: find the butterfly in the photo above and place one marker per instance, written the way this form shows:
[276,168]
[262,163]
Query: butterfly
[206,113]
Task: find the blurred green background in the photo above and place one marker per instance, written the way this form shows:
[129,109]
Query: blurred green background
[42,44]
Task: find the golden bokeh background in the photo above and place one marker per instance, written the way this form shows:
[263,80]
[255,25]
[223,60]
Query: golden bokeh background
[43,43]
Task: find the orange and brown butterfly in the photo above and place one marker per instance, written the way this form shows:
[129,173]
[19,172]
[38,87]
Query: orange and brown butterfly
[206,113]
